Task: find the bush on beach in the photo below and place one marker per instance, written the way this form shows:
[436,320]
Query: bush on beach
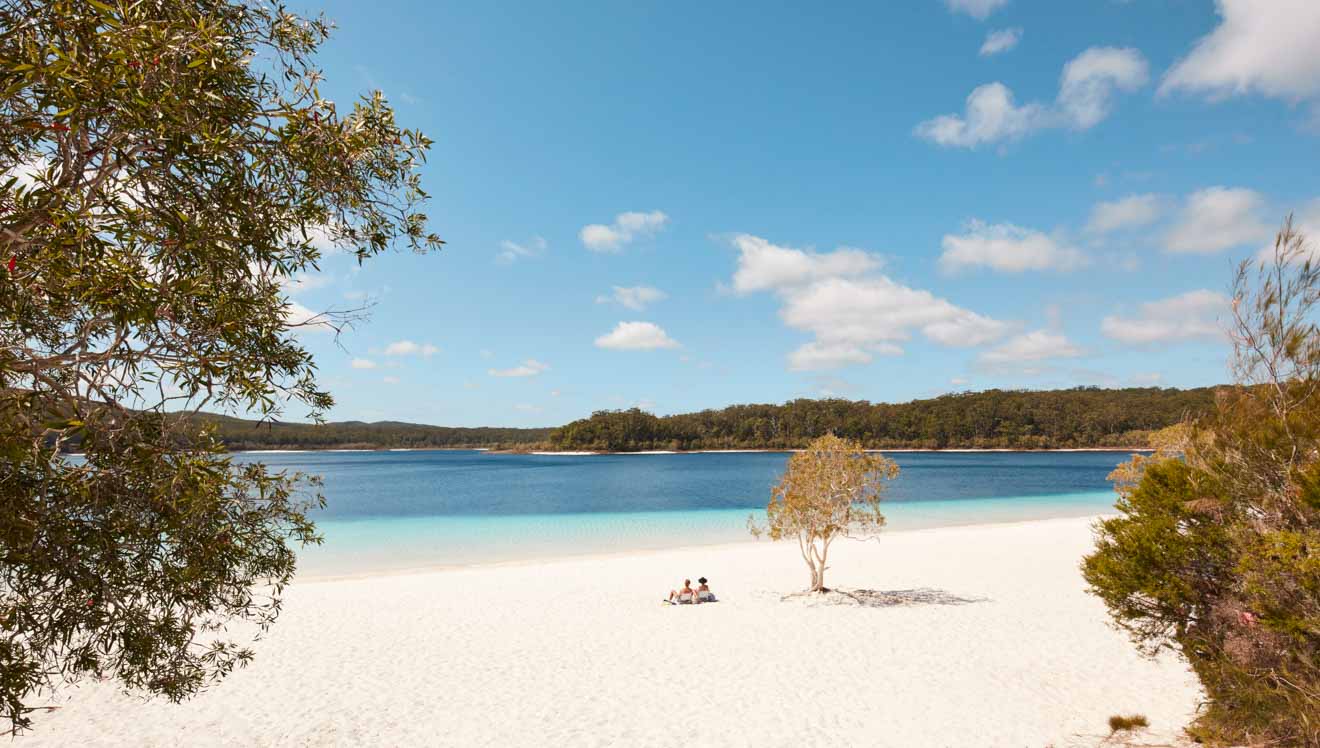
[1216,552]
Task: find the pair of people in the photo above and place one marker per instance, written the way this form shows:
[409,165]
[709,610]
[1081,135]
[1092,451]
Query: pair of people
[687,595]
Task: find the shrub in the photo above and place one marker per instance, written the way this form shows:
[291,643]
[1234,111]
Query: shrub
[1120,723]
[1216,552]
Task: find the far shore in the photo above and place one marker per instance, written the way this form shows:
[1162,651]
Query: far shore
[583,453]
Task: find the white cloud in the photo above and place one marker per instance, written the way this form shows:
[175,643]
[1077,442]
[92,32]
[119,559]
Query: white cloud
[626,228]
[305,320]
[999,41]
[300,282]
[1125,213]
[1006,248]
[990,116]
[409,348]
[26,170]
[1190,316]
[636,336]
[322,238]
[390,380]
[1039,345]
[978,9]
[529,368]
[1218,218]
[511,251]
[363,363]
[852,315]
[764,266]
[1258,47]
[633,297]
[528,408]
[1086,91]
[817,356]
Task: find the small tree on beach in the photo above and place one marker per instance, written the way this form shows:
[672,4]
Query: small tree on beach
[1215,553]
[831,490]
[168,170]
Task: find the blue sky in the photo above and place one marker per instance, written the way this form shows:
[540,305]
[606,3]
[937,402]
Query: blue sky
[683,207]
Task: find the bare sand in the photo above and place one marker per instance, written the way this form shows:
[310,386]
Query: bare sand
[1003,648]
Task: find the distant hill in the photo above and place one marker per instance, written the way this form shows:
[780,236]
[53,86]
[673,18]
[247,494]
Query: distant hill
[1017,419]
[240,434]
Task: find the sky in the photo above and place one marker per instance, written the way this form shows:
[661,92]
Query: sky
[680,206]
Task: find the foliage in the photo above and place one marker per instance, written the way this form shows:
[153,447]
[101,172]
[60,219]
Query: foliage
[238,433]
[1216,552]
[1075,418]
[830,490]
[1119,722]
[168,168]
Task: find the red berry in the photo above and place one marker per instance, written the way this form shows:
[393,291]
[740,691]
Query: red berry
[13,262]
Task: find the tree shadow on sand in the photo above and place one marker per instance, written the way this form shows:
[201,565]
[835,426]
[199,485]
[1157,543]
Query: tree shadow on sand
[884,598]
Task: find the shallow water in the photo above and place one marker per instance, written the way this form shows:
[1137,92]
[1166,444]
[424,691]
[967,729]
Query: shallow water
[401,510]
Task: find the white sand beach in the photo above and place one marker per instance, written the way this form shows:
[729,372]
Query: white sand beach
[581,651]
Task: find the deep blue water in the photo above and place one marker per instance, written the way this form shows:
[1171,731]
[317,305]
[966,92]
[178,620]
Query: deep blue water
[389,510]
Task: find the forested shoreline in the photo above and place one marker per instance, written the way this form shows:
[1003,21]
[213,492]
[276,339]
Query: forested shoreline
[239,434]
[1079,418]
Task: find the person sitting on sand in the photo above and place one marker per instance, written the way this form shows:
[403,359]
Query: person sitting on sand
[704,595]
[683,596]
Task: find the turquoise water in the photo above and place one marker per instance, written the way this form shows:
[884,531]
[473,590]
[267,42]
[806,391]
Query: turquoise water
[404,510]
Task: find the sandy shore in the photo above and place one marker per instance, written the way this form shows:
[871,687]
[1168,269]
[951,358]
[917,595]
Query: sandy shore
[581,652]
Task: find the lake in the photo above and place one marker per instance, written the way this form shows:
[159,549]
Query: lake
[397,510]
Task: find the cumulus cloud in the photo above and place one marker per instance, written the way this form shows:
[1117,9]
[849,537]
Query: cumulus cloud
[362,363]
[1086,92]
[1129,212]
[636,336]
[991,116]
[390,380]
[1006,248]
[1190,316]
[999,41]
[626,228]
[511,252]
[633,297]
[1031,347]
[978,9]
[852,312]
[764,266]
[1266,48]
[1218,218]
[529,368]
[409,348]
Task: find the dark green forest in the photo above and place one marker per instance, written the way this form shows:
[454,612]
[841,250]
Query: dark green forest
[1055,419]
[240,434]
[1019,419]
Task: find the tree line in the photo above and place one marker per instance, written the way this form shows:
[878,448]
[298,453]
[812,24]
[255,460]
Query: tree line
[1075,418]
[240,434]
